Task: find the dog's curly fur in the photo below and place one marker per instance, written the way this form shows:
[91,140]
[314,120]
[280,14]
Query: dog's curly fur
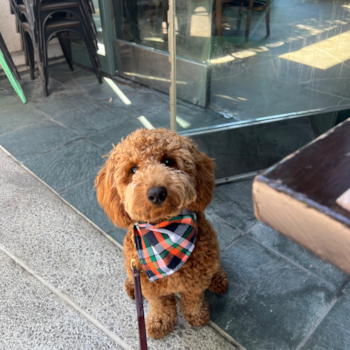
[189,184]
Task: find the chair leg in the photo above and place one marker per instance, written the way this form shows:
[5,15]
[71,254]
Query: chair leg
[25,49]
[45,67]
[67,50]
[247,28]
[92,54]
[31,63]
[94,64]
[29,52]
[38,54]
[268,2]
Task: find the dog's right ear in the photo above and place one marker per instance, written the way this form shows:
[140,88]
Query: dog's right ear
[108,197]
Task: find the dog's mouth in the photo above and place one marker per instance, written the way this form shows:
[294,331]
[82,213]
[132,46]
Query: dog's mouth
[153,210]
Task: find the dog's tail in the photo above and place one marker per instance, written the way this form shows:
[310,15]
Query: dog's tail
[219,282]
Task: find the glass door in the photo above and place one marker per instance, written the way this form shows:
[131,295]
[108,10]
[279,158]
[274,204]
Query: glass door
[275,59]
[141,45]
[104,22]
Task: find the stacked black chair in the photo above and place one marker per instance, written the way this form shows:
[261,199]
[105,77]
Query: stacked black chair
[8,58]
[25,18]
[62,19]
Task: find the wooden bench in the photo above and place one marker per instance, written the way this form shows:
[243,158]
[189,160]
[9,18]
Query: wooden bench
[306,196]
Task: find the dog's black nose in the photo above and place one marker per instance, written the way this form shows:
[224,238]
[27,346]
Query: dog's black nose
[157,195]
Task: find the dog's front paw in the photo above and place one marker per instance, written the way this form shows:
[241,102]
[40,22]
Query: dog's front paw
[161,318]
[219,282]
[195,309]
[197,317]
[129,288]
[157,327]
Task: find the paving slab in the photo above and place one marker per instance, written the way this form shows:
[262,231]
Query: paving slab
[234,204]
[296,253]
[145,97]
[226,233]
[83,197]
[67,165]
[27,143]
[113,135]
[34,88]
[105,92]
[93,118]
[33,317]
[272,303]
[333,333]
[18,116]
[75,257]
[58,104]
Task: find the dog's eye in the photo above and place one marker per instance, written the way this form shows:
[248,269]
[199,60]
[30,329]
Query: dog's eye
[168,162]
[133,170]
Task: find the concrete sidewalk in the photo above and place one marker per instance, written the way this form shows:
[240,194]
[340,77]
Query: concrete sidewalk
[62,279]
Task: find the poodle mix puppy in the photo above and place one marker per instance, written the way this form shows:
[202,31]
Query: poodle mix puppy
[157,184]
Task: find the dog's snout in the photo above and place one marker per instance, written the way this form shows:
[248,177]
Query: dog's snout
[157,195]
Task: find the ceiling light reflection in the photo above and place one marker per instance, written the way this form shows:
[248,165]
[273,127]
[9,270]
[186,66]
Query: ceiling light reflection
[153,78]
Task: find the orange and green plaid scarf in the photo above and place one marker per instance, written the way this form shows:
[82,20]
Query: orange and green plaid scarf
[163,248]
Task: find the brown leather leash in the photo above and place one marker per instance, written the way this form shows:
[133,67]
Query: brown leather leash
[139,308]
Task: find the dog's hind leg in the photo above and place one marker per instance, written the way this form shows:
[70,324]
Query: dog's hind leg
[219,282]
[129,288]
[161,318]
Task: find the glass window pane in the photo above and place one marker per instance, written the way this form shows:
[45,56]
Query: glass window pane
[274,58]
[300,67]
[97,20]
[145,22]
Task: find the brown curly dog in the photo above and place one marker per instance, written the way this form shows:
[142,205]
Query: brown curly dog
[160,159]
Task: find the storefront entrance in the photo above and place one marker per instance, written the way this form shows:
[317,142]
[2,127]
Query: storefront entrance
[240,64]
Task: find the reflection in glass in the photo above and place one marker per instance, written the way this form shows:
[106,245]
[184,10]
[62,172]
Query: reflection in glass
[262,58]
[97,19]
[99,35]
[146,23]
[302,66]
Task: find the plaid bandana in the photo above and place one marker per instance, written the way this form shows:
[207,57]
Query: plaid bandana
[163,248]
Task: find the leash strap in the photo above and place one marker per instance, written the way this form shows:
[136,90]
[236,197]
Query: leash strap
[139,309]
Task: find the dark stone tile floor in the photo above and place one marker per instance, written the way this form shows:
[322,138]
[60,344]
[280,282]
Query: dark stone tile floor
[83,197]
[271,304]
[67,165]
[280,295]
[333,332]
[37,139]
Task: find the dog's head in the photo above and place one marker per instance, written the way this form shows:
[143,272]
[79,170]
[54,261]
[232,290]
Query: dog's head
[153,175]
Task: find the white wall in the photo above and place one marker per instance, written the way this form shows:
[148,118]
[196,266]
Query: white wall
[8,27]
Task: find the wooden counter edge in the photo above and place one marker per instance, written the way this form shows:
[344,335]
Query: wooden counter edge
[307,226]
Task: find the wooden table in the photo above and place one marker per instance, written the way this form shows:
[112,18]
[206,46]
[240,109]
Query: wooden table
[306,196]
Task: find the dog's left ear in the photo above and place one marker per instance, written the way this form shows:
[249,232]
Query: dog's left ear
[205,181]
